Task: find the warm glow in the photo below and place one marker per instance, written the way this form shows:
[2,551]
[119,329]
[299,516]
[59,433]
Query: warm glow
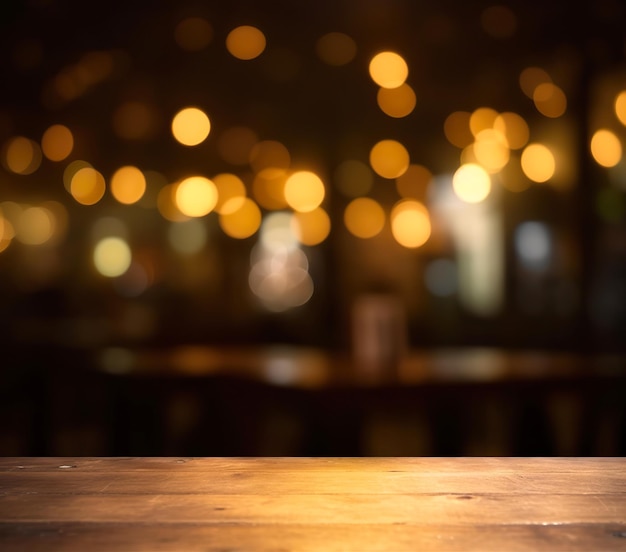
[312,227]
[35,226]
[57,142]
[87,186]
[410,223]
[481,119]
[128,184]
[364,217]
[606,148]
[353,178]
[304,191]
[166,204]
[235,145]
[538,163]
[456,127]
[268,188]
[22,155]
[396,102]
[336,48]
[530,78]
[491,150]
[269,154]
[389,159]
[550,100]
[388,69]
[191,126]
[514,128]
[196,196]
[471,183]
[193,34]
[112,257]
[231,192]
[620,107]
[242,222]
[414,182]
[71,170]
[245,42]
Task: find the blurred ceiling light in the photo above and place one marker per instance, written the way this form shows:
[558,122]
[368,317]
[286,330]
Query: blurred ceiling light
[538,162]
[397,102]
[389,159]
[410,223]
[388,69]
[57,142]
[364,217]
[304,191]
[245,42]
[191,126]
[606,148]
[471,183]
[196,196]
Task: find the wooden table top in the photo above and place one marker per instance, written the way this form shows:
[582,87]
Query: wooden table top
[321,504]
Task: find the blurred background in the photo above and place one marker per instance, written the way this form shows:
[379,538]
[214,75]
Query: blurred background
[368,227]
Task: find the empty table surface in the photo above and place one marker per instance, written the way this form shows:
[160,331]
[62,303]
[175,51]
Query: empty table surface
[321,504]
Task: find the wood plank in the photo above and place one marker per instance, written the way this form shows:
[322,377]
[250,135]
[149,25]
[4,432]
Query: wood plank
[269,464]
[319,481]
[323,509]
[95,537]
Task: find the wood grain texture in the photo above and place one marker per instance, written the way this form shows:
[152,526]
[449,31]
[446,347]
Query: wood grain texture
[356,504]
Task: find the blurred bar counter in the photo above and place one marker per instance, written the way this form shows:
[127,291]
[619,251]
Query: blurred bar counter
[298,401]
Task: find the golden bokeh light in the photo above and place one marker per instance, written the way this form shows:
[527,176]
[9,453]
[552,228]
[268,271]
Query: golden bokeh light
[311,228]
[397,102]
[87,186]
[336,48]
[35,226]
[243,222]
[364,217]
[410,223]
[278,232]
[57,142]
[21,155]
[191,126]
[196,196]
[268,188]
[620,107]
[530,78]
[491,150]
[231,191]
[128,184]
[166,204]
[414,182]
[112,257]
[7,233]
[269,154]
[456,127]
[550,100]
[193,34]
[245,42]
[304,191]
[606,148]
[388,69]
[471,183]
[389,159]
[71,170]
[353,178]
[538,162]
[134,120]
[235,144]
[514,128]
[481,119]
